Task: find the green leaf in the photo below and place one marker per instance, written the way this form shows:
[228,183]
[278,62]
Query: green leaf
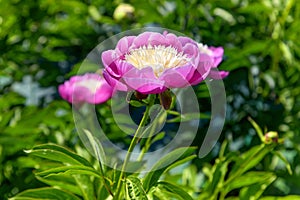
[163,185]
[86,186]
[136,103]
[97,148]
[250,159]
[134,189]
[255,191]
[219,173]
[258,129]
[74,169]
[158,169]
[250,178]
[286,162]
[81,175]
[289,197]
[61,181]
[158,137]
[44,193]
[58,153]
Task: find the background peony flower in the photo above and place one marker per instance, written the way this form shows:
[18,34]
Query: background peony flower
[152,62]
[216,54]
[88,88]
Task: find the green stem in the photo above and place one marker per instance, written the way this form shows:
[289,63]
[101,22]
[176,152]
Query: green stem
[147,144]
[149,137]
[133,143]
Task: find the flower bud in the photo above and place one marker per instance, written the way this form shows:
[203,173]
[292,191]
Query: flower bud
[123,11]
[140,96]
[270,137]
[165,99]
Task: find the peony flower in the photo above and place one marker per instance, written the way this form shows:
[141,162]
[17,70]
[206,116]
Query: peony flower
[152,62]
[88,88]
[216,54]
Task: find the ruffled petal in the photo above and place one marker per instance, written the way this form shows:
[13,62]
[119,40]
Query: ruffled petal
[114,82]
[173,41]
[142,40]
[143,81]
[178,77]
[185,40]
[215,74]
[174,79]
[217,55]
[108,57]
[191,50]
[202,70]
[124,45]
[157,39]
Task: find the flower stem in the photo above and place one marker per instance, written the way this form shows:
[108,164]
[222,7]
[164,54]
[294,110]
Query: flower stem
[150,136]
[133,143]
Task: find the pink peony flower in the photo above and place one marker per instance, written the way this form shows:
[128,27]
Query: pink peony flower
[88,88]
[216,53]
[152,62]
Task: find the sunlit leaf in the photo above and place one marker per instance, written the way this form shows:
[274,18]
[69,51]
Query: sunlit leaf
[57,153]
[44,193]
[134,189]
[153,176]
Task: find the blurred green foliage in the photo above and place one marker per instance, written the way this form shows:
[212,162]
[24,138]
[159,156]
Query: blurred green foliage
[41,41]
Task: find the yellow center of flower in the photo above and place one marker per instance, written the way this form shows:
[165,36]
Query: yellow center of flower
[159,58]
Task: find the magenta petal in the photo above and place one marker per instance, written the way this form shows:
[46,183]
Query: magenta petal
[173,41]
[144,85]
[103,94]
[217,51]
[143,80]
[201,72]
[217,55]
[185,40]
[118,68]
[114,83]
[142,40]
[149,89]
[214,74]
[124,67]
[191,50]
[124,44]
[196,78]
[80,94]
[62,90]
[84,88]
[157,39]
[173,79]
[108,57]
[186,71]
